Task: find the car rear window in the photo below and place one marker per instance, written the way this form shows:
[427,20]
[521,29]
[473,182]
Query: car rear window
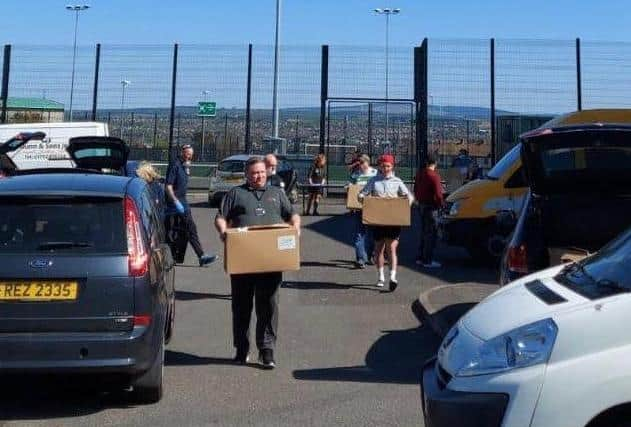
[232,166]
[62,225]
[596,158]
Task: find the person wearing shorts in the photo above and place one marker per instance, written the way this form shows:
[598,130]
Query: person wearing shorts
[386,184]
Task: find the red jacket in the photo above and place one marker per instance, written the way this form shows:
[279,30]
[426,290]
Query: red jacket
[428,189]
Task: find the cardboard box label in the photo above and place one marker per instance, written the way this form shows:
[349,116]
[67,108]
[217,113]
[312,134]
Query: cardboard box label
[286,243]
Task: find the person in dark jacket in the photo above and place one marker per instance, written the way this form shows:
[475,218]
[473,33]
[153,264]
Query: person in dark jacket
[176,203]
[428,192]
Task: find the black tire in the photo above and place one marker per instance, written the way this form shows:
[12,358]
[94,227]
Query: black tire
[148,387]
[487,247]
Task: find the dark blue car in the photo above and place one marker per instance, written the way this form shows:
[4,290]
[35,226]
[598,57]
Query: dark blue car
[86,280]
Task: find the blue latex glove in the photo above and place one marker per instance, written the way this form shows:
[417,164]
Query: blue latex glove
[179,207]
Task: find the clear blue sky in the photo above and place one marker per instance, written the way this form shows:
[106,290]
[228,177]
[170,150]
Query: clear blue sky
[311,21]
[537,77]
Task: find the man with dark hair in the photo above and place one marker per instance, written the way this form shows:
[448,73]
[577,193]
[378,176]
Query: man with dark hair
[255,203]
[428,191]
[176,203]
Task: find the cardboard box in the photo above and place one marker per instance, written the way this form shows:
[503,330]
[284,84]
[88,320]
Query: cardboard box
[351,196]
[565,255]
[386,211]
[261,249]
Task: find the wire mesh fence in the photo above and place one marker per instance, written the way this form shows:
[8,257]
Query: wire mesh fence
[459,113]
[533,80]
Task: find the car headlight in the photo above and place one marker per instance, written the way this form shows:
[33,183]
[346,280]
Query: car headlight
[525,346]
[455,208]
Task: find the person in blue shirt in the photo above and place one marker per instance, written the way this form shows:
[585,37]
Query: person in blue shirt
[176,188]
[362,238]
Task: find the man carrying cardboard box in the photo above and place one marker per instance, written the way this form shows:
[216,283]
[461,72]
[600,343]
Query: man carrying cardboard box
[387,185]
[255,204]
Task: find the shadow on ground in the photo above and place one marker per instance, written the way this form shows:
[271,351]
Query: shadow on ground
[397,357]
[457,265]
[293,284]
[177,358]
[41,398]
[193,296]
[446,317]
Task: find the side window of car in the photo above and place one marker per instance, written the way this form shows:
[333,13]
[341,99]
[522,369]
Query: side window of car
[517,180]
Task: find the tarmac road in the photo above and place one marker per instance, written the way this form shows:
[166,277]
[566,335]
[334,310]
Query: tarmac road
[347,355]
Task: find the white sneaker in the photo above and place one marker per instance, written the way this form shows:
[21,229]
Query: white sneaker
[432,264]
[380,283]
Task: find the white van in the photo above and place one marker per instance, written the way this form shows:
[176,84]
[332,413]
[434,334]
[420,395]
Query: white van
[52,151]
[552,349]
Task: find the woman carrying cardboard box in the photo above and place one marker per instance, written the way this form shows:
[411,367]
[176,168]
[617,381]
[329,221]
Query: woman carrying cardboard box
[386,185]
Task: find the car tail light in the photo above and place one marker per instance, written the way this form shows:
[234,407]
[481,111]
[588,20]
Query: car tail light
[138,258]
[518,259]
[142,320]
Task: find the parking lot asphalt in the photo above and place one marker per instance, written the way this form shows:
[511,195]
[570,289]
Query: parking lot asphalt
[347,354]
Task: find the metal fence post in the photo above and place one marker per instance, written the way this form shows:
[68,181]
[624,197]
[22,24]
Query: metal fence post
[420,100]
[579,89]
[172,113]
[493,136]
[248,100]
[370,129]
[324,94]
[96,80]
[4,93]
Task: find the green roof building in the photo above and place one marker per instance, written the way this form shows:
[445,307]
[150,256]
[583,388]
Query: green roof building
[33,110]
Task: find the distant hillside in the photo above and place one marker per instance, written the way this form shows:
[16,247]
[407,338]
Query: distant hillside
[337,111]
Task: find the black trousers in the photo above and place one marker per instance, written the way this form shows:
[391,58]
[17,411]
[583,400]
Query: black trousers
[428,234]
[263,290]
[191,233]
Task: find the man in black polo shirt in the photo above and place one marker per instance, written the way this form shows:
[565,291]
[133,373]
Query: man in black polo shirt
[255,203]
[176,188]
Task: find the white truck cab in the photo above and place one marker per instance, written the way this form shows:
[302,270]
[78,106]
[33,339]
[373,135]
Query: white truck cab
[552,349]
[52,151]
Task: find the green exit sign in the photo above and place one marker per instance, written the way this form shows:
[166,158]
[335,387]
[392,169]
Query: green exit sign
[206,109]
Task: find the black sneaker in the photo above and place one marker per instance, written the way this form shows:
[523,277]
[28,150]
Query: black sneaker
[206,259]
[266,357]
[393,285]
[242,357]
[360,265]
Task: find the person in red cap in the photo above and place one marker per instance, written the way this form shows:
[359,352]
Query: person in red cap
[386,184]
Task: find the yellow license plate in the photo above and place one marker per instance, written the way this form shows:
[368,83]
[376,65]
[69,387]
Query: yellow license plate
[38,291]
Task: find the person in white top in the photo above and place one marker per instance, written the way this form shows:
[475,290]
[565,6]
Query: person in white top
[386,184]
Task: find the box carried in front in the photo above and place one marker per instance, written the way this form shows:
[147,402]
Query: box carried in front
[386,211]
[261,249]
[351,196]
